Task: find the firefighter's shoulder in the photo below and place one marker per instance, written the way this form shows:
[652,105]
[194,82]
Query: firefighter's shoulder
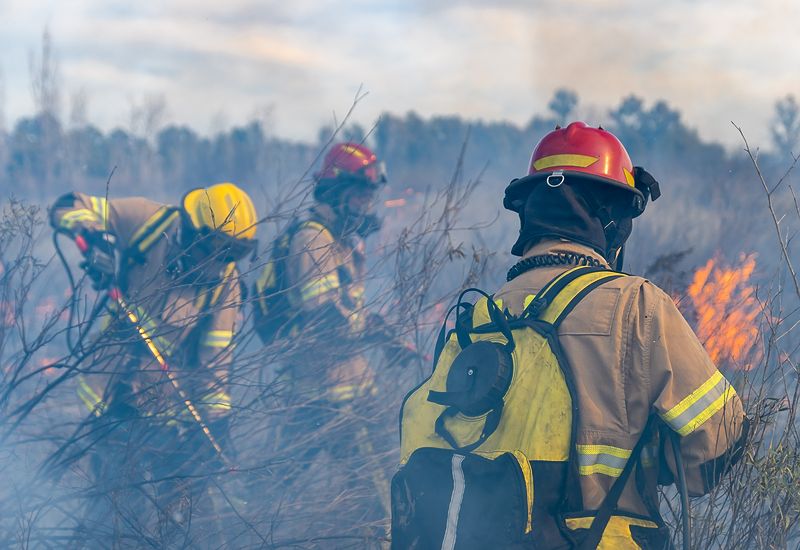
[311,234]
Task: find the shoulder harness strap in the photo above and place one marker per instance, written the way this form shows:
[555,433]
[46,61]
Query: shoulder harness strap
[227,275]
[151,230]
[144,238]
[560,296]
[270,278]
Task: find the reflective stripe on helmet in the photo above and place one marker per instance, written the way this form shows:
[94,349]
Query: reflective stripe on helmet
[564,160]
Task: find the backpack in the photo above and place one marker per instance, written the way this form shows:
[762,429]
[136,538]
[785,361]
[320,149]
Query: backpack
[274,314]
[499,406]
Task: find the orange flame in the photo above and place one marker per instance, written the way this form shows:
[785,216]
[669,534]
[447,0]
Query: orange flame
[394,203]
[727,311]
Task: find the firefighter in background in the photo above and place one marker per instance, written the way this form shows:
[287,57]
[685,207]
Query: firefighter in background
[172,301]
[310,298]
[557,405]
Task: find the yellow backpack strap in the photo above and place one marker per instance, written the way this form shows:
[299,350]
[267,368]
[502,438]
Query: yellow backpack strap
[560,296]
[273,272]
[312,224]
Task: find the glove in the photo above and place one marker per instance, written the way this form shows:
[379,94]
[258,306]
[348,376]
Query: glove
[395,350]
[99,258]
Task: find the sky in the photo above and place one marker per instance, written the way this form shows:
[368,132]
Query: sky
[299,64]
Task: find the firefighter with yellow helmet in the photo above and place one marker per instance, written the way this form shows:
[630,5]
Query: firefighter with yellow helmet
[155,379]
[560,403]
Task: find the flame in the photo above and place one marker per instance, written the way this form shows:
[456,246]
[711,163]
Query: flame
[394,203]
[727,311]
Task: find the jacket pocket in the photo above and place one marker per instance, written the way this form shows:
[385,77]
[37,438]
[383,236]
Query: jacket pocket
[623,532]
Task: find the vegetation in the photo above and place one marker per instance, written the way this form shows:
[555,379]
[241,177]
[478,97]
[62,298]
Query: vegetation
[444,230]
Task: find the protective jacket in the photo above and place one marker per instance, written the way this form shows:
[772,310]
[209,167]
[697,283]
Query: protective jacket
[630,357]
[314,285]
[188,310]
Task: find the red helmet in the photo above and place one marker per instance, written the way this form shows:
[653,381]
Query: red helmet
[351,161]
[590,154]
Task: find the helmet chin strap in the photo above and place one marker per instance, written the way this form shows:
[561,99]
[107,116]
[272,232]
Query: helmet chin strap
[616,258]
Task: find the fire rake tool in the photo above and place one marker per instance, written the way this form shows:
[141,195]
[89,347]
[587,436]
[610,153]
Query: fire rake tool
[116,295]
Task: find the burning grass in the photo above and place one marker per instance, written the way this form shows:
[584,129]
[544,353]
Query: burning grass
[721,300]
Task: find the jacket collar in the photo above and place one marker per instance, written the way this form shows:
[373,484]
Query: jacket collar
[555,246]
[323,213]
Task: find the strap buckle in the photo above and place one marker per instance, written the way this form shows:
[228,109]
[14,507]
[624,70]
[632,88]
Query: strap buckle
[557,175]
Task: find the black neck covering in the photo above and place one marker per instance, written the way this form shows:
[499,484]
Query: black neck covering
[565,213]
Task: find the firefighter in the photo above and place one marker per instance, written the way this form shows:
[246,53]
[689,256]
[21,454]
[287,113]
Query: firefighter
[310,299]
[155,378]
[558,404]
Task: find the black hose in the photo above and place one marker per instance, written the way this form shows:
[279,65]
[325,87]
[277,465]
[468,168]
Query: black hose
[682,490]
[73,306]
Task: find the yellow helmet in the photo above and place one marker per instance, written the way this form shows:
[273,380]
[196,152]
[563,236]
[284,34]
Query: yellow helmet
[223,207]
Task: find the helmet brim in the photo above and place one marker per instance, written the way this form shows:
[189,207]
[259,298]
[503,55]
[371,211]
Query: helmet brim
[518,190]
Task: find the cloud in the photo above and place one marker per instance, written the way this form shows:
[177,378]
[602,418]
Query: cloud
[715,61]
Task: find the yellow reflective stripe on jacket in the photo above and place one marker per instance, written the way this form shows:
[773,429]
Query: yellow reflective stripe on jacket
[601,459]
[212,403]
[219,401]
[310,224]
[356,291]
[200,302]
[89,397]
[569,292]
[229,269]
[319,286]
[69,219]
[152,229]
[348,392]
[217,338]
[100,207]
[700,405]
[203,296]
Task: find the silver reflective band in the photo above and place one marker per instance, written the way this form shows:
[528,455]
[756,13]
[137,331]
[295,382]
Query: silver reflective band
[601,459]
[700,405]
[453,511]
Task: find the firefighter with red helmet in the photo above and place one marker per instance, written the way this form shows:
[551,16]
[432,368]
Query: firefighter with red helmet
[315,276]
[309,297]
[560,403]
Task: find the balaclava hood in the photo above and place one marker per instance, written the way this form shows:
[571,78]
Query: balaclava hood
[565,212]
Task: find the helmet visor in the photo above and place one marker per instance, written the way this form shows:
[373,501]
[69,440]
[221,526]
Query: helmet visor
[375,173]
